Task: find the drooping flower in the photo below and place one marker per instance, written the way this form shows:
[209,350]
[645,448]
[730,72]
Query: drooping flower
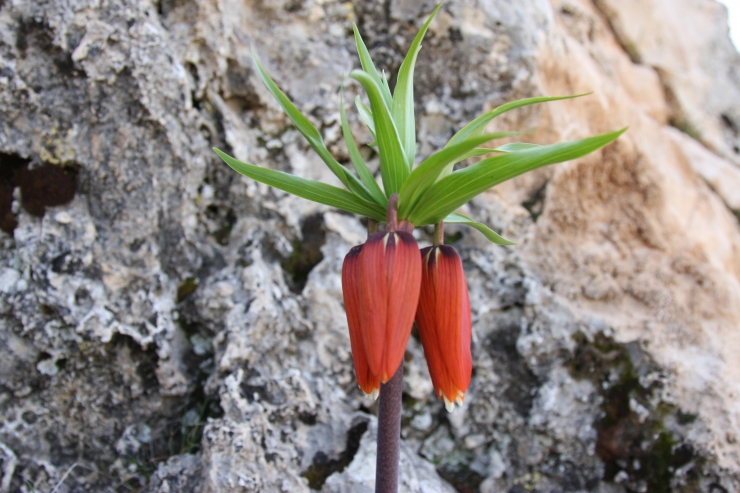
[390,277]
[368,382]
[381,281]
[443,319]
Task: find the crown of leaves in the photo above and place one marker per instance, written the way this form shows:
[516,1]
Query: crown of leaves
[432,191]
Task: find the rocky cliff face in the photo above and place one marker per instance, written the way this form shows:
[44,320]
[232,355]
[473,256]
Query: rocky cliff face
[170,326]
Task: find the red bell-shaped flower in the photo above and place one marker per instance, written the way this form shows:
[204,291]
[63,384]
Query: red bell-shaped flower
[443,319]
[368,382]
[381,281]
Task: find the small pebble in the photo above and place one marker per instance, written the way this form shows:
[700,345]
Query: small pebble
[63,217]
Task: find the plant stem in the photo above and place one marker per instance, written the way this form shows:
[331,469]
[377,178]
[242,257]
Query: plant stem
[439,233]
[389,434]
[391,220]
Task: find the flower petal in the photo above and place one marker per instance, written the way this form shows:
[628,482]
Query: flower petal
[404,275]
[366,379]
[390,278]
[443,318]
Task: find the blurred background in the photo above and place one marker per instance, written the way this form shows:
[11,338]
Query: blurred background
[168,325]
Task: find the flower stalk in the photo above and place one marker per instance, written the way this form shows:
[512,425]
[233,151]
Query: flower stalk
[389,434]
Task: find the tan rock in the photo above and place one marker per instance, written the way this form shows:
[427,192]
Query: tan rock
[722,175]
[687,42]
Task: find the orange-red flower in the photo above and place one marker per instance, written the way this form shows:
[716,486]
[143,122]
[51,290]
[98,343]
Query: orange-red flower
[368,382]
[381,281]
[443,319]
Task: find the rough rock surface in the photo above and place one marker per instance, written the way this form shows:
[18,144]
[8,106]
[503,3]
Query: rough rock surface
[170,326]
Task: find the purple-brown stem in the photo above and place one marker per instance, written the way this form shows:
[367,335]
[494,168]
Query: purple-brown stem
[389,434]
[391,219]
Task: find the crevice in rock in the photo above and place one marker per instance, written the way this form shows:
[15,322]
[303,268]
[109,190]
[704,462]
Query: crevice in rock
[461,477]
[640,439]
[535,204]
[46,186]
[520,380]
[255,388]
[608,15]
[146,359]
[306,253]
[322,466]
[187,287]
[41,187]
[224,217]
[10,165]
[178,426]
[732,127]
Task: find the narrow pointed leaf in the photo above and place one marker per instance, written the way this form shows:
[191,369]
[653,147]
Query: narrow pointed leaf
[478,126]
[369,67]
[392,165]
[387,88]
[493,237]
[427,172]
[366,114]
[403,96]
[362,170]
[475,152]
[516,146]
[307,189]
[311,134]
[453,191]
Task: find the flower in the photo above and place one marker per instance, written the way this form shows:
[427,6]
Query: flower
[443,319]
[380,282]
[368,382]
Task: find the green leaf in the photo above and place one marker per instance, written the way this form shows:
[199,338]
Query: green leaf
[473,153]
[386,87]
[453,191]
[478,126]
[516,146]
[366,114]
[403,97]
[427,172]
[392,165]
[365,175]
[312,135]
[307,189]
[369,67]
[477,152]
[493,237]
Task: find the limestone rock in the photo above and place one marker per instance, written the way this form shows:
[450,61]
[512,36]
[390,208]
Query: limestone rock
[168,325]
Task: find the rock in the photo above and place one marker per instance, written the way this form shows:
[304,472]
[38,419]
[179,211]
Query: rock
[172,326]
[721,175]
[699,71]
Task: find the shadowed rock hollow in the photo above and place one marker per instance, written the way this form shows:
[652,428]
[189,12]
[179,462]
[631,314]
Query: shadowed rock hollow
[168,325]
